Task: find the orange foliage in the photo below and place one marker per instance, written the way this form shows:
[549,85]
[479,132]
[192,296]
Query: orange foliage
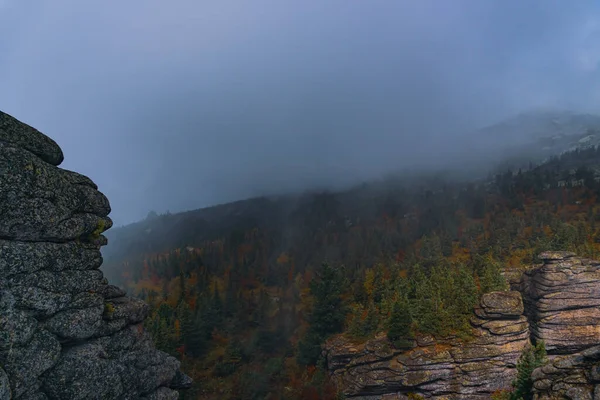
[177,328]
[283,259]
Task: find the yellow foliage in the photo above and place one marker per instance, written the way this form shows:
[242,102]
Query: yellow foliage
[283,259]
[459,254]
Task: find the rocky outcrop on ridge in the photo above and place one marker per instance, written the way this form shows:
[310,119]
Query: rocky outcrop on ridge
[65,333]
[561,306]
[437,368]
[562,300]
[575,377]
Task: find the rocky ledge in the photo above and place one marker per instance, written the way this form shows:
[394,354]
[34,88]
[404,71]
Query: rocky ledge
[437,368]
[561,306]
[562,301]
[575,377]
[65,333]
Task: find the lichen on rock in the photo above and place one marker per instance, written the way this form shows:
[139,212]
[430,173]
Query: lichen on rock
[56,339]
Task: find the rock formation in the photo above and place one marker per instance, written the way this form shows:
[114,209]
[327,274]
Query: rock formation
[575,377]
[562,299]
[437,368]
[561,307]
[65,333]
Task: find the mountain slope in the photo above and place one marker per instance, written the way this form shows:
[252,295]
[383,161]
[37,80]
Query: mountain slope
[239,295]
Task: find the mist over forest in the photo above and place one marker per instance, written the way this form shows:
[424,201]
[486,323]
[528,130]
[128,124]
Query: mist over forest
[176,106]
[301,200]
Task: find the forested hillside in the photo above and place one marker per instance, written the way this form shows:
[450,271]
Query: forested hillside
[245,293]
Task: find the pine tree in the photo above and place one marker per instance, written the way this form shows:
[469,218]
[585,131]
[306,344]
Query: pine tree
[399,325]
[327,316]
[531,358]
[194,333]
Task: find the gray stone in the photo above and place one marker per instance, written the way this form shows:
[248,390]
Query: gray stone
[84,372]
[181,381]
[16,326]
[111,292]
[71,282]
[39,202]
[65,333]
[5,393]
[76,324]
[163,393]
[27,257]
[133,310]
[24,365]
[22,135]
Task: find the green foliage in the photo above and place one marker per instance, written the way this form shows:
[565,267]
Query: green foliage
[399,325]
[531,358]
[442,301]
[327,315]
[422,255]
[364,322]
[309,348]
[274,367]
[490,275]
[252,385]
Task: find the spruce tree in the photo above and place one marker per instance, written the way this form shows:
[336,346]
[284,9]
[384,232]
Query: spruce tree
[399,325]
[194,333]
[531,358]
[327,316]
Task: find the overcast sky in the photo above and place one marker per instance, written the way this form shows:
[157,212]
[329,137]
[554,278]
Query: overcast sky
[172,105]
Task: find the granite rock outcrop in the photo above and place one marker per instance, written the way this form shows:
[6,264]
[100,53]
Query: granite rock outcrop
[562,302]
[557,301]
[434,368]
[65,333]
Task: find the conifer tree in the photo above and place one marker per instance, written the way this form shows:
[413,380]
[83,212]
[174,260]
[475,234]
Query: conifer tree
[531,358]
[327,316]
[399,325]
[194,333]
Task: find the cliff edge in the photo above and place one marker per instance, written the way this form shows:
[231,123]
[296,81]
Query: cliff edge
[65,333]
[560,305]
[439,368]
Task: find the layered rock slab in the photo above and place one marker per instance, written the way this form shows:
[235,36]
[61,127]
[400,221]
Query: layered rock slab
[562,301]
[65,333]
[447,368]
[575,376]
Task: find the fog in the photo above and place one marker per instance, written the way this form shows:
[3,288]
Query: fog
[183,104]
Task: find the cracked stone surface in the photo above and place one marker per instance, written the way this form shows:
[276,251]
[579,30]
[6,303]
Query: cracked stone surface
[57,339]
[557,301]
[437,368]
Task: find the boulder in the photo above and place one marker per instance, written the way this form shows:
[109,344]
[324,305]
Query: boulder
[65,333]
[24,136]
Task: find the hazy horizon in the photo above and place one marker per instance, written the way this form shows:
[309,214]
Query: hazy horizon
[178,106]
